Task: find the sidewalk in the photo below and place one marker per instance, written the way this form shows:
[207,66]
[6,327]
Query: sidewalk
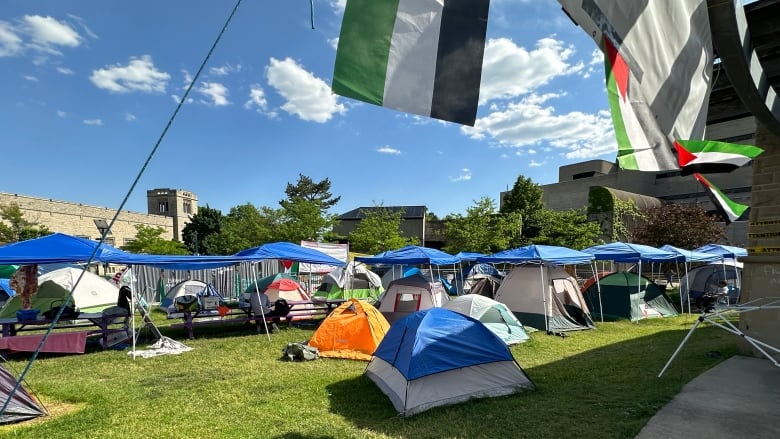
[738,398]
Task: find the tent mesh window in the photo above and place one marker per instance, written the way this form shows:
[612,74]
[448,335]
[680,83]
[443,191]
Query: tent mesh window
[407,302]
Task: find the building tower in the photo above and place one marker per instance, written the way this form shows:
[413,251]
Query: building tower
[175,203]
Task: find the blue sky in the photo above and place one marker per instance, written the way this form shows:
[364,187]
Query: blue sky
[87,88]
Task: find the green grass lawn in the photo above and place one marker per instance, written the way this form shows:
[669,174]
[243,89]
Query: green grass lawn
[593,384]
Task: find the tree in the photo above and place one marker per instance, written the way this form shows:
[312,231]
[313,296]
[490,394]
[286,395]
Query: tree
[482,229]
[203,224]
[306,189]
[14,227]
[379,231]
[304,220]
[525,198]
[304,212]
[245,226]
[569,228]
[149,240]
[681,225]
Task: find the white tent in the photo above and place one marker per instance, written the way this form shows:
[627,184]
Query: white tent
[495,315]
[93,293]
[409,294]
[545,297]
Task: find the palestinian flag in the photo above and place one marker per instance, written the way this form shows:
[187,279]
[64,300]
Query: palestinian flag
[417,56]
[730,210]
[658,64]
[709,156]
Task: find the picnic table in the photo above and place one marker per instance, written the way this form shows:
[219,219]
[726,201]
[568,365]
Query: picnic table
[98,323]
[300,310]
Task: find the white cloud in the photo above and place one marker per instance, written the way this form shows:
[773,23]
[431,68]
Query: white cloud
[10,42]
[338,5]
[139,74]
[535,164]
[465,175]
[388,150]
[224,70]
[527,124]
[307,96]
[87,30]
[334,43]
[46,34]
[65,70]
[215,92]
[30,78]
[129,117]
[61,114]
[258,101]
[97,122]
[509,70]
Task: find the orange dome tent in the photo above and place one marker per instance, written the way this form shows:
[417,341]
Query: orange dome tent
[353,330]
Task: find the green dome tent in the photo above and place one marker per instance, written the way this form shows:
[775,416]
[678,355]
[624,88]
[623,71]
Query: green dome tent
[626,295]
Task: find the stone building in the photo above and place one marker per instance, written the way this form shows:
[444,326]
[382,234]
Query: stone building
[166,208]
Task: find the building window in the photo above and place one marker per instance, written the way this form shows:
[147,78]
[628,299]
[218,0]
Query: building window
[187,206]
[162,207]
[108,240]
[128,240]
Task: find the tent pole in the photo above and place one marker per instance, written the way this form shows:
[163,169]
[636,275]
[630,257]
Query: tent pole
[598,287]
[544,299]
[257,292]
[687,288]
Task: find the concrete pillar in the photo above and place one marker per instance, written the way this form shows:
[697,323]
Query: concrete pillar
[761,273]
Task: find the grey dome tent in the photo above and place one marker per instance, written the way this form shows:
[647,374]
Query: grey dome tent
[21,406]
[626,295]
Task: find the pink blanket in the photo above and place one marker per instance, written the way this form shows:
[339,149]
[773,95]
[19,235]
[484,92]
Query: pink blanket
[72,342]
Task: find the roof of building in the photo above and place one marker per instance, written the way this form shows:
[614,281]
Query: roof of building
[409,212]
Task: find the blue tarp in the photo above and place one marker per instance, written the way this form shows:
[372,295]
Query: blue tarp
[690,255]
[624,252]
[410,255]
[538,253]
[437,340]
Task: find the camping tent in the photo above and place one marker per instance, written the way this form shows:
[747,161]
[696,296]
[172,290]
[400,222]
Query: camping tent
[353,330]
[704,279]
[437,356]
[22,406]
[620,299]
[480,278]
[93,293]
[495,315]
[352,280]
[189,287]
[409,294]
[545,297]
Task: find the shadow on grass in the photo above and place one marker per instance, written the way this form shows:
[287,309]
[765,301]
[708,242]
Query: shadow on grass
[610,391]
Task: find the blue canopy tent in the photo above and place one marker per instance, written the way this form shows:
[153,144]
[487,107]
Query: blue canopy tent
[58,248]
[410,255]
[630,253]
[468,256]
[725,252]
[687,256]
[288,251]
[541,255]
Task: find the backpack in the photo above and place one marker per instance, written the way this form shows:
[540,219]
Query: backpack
[281,307]
[299,352]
